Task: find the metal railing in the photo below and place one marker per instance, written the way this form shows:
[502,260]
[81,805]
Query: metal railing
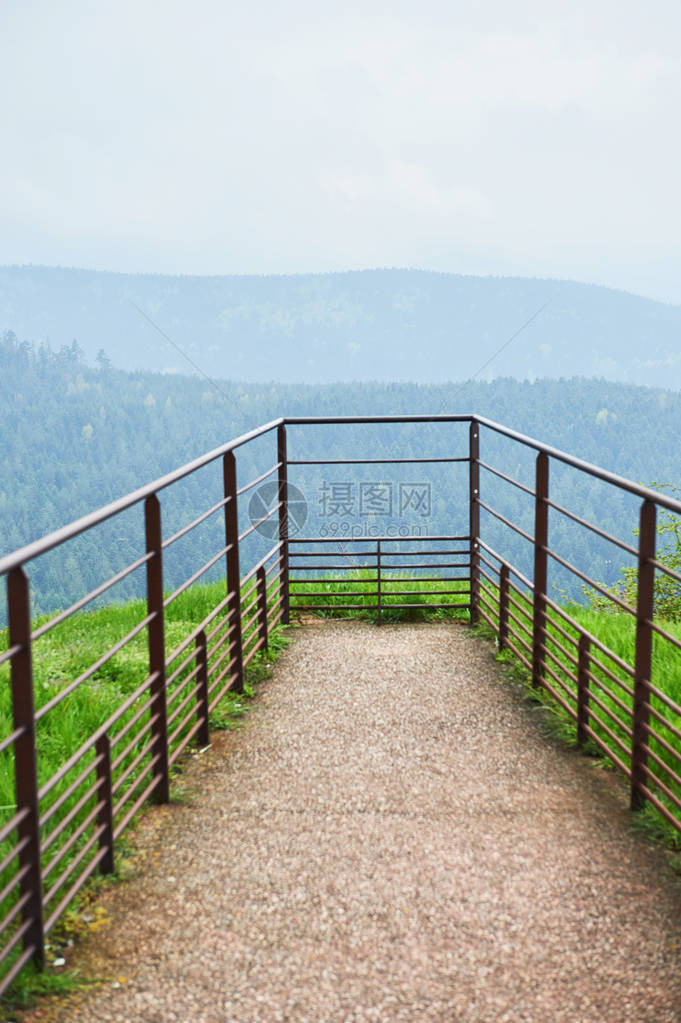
[64,827]
[377,566]
[611,699]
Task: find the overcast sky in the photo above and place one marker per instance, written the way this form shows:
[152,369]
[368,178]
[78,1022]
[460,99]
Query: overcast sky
[220,137]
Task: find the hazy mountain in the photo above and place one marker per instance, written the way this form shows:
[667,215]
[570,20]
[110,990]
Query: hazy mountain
[404,325]
[74,437]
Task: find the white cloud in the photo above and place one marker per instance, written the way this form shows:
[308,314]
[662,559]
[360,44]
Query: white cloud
[411,188]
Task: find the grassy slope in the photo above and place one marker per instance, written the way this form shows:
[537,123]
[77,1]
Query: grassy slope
[59,657]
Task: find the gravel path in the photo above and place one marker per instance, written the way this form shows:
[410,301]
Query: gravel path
[391,837]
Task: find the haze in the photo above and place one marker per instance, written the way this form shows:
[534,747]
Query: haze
[211,138]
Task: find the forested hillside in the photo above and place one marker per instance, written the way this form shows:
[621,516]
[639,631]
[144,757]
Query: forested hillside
[74,437]
[406,325]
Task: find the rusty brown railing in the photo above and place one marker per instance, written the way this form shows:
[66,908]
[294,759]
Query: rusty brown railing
[388,575]
[65,827]
[612,700]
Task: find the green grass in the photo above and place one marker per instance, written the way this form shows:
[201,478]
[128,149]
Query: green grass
[59,657]
[32,983]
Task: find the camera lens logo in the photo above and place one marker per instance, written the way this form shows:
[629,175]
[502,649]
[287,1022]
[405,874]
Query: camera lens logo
[265,498]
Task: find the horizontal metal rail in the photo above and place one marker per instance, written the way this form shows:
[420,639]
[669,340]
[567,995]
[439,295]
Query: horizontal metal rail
[194,523]
[507,479]
[593,529]
[84,601]
[372,461]
[383,539]
[259,479]
[94,668]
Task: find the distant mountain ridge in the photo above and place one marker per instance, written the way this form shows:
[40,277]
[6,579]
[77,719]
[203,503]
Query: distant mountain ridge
[401,325]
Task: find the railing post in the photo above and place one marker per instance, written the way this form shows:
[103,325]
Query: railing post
[474,519]
[202,711]
[583,688]
[157,654]
[233,570]
[105,796]
[644,651]
[262,606]
[541,540]
[503,605]
[378,581]
[25,760]
[283,523]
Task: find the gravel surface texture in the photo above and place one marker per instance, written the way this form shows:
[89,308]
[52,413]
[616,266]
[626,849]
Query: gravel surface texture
[392,836]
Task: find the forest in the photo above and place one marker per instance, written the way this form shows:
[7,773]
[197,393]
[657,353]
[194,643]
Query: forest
[75,436]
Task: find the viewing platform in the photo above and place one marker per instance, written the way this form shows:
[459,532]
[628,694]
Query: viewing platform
[391,836]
